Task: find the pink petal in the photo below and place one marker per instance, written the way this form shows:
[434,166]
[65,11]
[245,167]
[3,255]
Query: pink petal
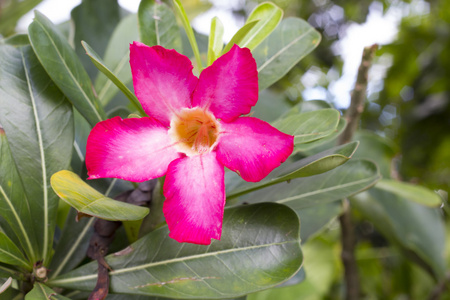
[162,79]
[195,199]
[252,148]
[229,87]
[135,149]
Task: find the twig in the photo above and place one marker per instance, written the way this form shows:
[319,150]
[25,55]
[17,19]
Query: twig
[353,116]
[440,288]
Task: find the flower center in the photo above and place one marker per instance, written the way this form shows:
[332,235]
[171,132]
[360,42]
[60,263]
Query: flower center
[194,130]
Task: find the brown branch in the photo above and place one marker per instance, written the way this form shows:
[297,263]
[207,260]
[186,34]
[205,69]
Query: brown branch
[353,116]
[440,288]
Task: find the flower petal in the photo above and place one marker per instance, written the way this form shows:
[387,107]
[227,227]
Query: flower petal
[162,79]
[135,149]
[229,87]
[252,148]
[195,199]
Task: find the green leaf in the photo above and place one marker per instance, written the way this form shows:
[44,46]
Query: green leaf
[64,67]
[190,33]
[418,230]
[376,148]
[94,22]
[12,11]
[72,246]
[314,218]
[87,200]
[309,126]
[312,165]
[269,16]
[259,248]
[292,40]
[117,57]
[411,192]
[14,207]
[344,181]
[158,25]
[104,69]
[215,44]
[239,36]
[39,125]
[42,292]
[17,40]
[10,254]
[315,146]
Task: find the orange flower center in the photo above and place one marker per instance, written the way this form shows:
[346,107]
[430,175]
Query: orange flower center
[194,130]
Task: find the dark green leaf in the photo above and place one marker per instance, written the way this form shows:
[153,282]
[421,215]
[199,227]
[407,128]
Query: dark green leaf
[10,254]
[104,69]
[94,22]
[312,165]
[415,228]
[292,40]
[259,248]
[72,246]
[158,25]
[39,125]
[117,57]
[346,180]
[14,207]
[87,200]
[64,67]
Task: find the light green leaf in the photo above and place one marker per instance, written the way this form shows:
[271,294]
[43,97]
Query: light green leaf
[312,165]
[259,248]
[104,69]
[39,124]
[117,57]
[158,25]
[190,33]
[10,254]
[315,146]
[344,181]
[309,126]
[292,40]
[64,67]
[269,16]
[87,200]
[411,192]
[215,44]
[239,36]
[42,292]
[418,230]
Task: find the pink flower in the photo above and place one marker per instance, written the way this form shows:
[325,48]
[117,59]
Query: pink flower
[194,129]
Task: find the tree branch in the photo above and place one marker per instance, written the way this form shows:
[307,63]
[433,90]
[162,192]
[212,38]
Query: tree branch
[353,116]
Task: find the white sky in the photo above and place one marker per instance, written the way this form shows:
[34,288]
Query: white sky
[380,28]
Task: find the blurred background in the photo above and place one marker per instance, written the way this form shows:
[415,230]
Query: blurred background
[408,102]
